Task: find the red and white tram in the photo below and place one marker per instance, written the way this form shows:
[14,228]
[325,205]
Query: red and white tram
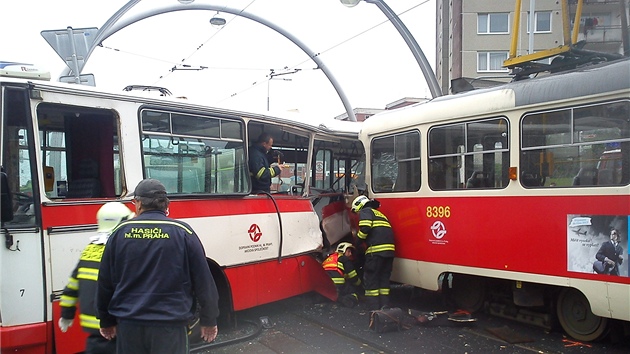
[508,193]
[68,149]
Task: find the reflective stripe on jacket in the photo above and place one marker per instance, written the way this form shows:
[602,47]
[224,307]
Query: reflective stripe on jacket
[81,288]
[376,231]
[341,264]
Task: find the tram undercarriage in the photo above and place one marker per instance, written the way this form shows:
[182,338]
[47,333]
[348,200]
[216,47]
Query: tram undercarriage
[545,306]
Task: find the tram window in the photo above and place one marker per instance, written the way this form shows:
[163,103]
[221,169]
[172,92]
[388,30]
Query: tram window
[79,147]
[472,155]
[198,126]
[322,178]
[335,168]
[17,161]
[193,154]
[395,163]
[576,147]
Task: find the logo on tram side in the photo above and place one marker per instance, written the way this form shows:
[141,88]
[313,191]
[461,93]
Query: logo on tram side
[254,233]
[438,229]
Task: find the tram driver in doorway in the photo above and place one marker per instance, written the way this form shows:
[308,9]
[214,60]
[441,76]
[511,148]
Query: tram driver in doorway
[260,169]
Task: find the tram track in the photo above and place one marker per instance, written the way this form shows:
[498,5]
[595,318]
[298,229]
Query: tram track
[306,325]
[289,338]
[202,346]
[361,342]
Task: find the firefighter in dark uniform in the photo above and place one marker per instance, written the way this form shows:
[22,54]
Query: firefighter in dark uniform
[260,168]
[340,267]
[81,286]
[153,271]
[376,232]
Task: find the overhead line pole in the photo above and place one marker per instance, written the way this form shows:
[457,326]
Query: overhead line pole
[413,45]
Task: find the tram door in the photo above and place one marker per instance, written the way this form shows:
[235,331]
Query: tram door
[23,299]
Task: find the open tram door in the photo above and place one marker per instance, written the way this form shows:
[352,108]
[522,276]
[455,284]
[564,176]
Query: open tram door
[24,304]
[321,166]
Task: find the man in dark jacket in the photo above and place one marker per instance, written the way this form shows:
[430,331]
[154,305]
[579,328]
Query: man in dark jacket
[610,253]
[81,287]
[376,232]
[259,168]
[152,271]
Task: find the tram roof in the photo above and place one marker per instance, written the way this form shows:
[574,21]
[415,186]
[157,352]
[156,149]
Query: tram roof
[317,124]
[588,80]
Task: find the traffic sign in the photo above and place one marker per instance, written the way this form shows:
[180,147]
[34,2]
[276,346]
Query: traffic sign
[72,45]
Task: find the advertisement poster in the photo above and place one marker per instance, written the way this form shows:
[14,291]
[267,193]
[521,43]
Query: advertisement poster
[598,244]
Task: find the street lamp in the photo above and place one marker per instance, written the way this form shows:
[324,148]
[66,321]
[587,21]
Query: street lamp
[350,3]
[217,21]
[186,2]
[429,75]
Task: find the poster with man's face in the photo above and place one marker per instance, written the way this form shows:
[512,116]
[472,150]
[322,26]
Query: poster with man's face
[590,235]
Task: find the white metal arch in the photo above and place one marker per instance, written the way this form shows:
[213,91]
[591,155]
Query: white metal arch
[115,24]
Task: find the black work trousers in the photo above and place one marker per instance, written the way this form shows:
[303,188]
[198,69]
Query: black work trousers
[376,273]
[140,339]
[96,344]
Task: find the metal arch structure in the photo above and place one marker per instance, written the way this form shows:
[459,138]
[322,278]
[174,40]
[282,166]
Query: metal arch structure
[413,45]
[114,24]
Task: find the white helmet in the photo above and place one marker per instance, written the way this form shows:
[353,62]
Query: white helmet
[359,202]
[342,247]
[111,214]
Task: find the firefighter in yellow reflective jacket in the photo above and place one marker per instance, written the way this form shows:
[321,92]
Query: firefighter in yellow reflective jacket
[81,287]
[376,232]
[341,270]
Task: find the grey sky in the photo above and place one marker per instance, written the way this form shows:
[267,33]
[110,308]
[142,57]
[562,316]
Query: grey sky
[371,62]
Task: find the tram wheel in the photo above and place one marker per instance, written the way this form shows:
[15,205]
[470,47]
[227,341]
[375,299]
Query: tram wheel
[575,316]
[468,292]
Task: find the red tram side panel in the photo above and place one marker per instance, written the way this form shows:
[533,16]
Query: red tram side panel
[537,235]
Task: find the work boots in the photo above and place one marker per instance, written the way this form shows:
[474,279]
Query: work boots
[349,300]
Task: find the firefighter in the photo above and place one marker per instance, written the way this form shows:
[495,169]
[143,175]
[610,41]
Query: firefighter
[376,232]
[339,266]
[81,287]
[260,167]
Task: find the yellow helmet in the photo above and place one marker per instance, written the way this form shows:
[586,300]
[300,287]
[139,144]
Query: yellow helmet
[111,214]
[359,202]
[342,247]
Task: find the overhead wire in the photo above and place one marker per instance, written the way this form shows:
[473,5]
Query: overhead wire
[170,62]
[258,82]
[206,41]
[267,77]
[175,63]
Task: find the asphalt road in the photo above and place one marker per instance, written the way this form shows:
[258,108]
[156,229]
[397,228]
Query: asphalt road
[311,324]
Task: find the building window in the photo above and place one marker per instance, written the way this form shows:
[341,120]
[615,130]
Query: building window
[493,23]
[491,61]
[542,22]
